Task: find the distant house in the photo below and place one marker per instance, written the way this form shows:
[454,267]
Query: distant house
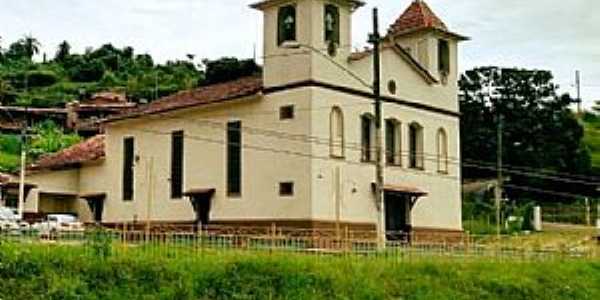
[294,147]
[84,117]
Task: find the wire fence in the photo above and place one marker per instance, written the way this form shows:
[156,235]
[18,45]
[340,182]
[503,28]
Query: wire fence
[190,243]
[580,215]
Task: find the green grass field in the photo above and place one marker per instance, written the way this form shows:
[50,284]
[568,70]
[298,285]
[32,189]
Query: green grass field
[62,272]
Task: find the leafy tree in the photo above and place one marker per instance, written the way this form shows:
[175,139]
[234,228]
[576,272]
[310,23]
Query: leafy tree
[144,61]
[31,45]
[539,129]
[228,68]
[50,138]
[24,48]
[1,52]
[596,107]
[63,52]
[5,90]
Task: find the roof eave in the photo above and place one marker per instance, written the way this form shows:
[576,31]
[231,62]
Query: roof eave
[447,33]
[261,5]
[139,115]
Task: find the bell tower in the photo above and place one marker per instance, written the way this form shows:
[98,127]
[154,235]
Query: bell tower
[427,38]
[299,33]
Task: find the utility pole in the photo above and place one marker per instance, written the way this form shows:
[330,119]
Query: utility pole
[24,129]
[578,86]
[150,196]
[375,39]
[499,170]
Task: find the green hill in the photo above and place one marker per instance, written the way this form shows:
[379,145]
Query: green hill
[591,125]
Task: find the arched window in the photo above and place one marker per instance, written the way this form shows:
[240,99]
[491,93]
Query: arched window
[415,154]
[442,151]
[336,132]
[393,149]
[367,128]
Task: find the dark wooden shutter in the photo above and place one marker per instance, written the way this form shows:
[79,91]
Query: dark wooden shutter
[177,164]
[332,31]
[444,56]
[234,158]
[366,138]
[390,141]
[286,32]
[128,161]
[413,152]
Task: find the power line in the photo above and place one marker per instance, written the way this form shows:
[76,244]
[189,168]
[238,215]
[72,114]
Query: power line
[283,151]
[353,146]
[346,161]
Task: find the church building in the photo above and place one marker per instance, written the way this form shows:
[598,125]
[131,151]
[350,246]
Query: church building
[293,147]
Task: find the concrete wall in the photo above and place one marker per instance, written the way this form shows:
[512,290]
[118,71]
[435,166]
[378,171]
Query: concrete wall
[267,159]
[50,185]
[440,209]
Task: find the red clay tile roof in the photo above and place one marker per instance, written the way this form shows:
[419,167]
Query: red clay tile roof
[211,94]
[417,16]
[86,151]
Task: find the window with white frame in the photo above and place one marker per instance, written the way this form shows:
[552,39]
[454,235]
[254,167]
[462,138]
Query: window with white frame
[336,134]
[442,151]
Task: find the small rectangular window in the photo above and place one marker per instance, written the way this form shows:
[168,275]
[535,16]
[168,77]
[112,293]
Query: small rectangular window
[177,164]
[286,189]
[286,112]
[128,172]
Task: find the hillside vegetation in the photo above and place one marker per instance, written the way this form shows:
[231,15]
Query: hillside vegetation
[591,123]
[69,76]
[68,272]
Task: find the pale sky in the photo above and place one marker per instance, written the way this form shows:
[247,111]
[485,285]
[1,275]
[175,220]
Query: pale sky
[559,35]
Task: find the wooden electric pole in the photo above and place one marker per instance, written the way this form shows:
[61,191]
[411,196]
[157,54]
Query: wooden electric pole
[578,86]
[375,39]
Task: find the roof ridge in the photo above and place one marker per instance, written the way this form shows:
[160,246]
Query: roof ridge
[417,16]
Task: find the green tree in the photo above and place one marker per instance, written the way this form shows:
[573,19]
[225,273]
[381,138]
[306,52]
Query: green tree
[596,107]
[63,52]
[32,46]
[540,131]
[24,48]
[1,52]
[50,138]
[5,90]
[228,68]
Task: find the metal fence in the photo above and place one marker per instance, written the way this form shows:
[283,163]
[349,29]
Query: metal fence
[190,243]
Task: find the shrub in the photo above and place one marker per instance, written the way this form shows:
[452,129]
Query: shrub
[41,78]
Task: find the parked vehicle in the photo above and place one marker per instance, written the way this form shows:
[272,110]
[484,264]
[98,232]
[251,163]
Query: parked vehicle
[57,223]
[10,221]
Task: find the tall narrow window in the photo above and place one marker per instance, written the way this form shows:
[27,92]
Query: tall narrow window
[336,138]
[442,151]
[128,164]
[393,152]
[416,146]
[367,128]
[444,57]
[177,164]
[286,24]
[332,24]
[234,158]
